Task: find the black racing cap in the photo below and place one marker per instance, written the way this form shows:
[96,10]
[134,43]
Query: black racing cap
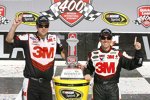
[105,32]
[42,20]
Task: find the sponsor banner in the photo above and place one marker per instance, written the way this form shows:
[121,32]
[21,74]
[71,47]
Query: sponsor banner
[3,19]
[143,16]
[87,42]
[29,18]
[71,12]
[2,10]
[79,15]
[115,18]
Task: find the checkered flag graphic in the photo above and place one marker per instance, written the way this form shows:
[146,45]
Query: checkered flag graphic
[93,15]
[138,21]
[87,10]
[89,13]
[49,14]
[53,12]
[3,20]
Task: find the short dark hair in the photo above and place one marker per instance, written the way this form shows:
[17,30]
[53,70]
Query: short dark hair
[105,32]
[42,20]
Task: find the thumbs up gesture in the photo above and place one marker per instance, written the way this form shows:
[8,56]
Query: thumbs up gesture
[137,45]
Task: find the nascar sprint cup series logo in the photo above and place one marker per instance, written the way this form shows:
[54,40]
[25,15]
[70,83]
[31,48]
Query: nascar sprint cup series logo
[71,12]
[143,16]
[70,94]
[115,18]
[29,18]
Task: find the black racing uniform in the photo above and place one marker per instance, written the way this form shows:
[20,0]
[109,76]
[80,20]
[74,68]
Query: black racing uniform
[106,67]
[39,63]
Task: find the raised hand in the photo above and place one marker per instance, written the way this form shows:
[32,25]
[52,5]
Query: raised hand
[11,33]
[137,45]
[18,20]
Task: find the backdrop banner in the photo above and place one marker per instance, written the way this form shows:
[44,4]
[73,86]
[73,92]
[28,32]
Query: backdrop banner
[87,42]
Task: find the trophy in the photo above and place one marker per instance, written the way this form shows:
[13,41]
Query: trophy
[71,85]
[72,72]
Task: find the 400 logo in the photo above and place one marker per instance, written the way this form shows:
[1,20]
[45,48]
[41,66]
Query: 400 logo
[71,12]
[115,18]
[143,16]
[29,18]
[3,19]
[70,94]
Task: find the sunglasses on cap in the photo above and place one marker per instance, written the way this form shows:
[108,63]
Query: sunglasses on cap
[106,37]
[42,26]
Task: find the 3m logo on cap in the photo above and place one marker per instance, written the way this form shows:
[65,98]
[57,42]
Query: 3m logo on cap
[71,12]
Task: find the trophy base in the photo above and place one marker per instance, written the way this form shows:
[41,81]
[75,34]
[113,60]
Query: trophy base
[71,89]
[72,73]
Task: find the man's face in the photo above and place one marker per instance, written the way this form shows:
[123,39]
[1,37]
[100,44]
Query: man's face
[42,29]
[106,41]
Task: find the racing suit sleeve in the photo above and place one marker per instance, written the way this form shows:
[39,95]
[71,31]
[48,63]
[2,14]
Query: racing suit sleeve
[131,63]
[59,46]
[19,40]
[60,50]
[89,68]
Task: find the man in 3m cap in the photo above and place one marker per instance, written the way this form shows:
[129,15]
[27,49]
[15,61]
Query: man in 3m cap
[40,49]
[106,63]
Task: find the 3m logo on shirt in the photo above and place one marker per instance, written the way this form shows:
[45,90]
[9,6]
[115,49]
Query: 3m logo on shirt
[106,63]
[43,52]
[105,67]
